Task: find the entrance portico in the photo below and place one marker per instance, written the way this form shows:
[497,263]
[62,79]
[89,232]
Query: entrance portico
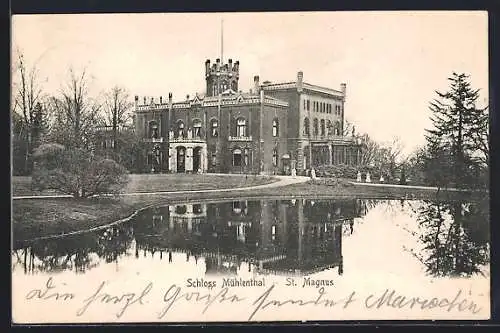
[187,156]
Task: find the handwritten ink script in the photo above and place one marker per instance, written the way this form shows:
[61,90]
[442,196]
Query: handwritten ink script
[165,299]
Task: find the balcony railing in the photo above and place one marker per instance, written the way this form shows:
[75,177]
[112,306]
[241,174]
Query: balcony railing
[240,138]
[154,140]
[187,139]
[332,137]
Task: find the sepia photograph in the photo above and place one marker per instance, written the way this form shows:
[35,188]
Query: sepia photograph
[250,167]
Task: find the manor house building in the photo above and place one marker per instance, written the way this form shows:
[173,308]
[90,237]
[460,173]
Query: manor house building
[272,129]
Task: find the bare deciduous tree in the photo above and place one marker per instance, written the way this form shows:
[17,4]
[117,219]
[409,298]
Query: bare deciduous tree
[369,150]
[75,112]
[27,102]
[116,111]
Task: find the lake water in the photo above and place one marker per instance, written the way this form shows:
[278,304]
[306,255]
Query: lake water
[417,246]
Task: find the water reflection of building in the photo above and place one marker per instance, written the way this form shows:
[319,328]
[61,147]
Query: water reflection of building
[276,236]
[266,236]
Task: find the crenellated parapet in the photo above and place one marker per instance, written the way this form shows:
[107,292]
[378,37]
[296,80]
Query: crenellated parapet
[221,76]
[151,103]
[228,68]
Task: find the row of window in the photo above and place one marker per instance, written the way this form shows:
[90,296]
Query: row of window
[321,107]
[108,143]
[224,85]
[239,161]
[241,128]
[322,127]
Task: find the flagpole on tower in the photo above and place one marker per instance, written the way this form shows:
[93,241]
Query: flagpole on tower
[222,41]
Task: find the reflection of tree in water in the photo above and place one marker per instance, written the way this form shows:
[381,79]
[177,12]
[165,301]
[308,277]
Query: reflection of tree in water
[56,255]
[74,252]
[218,264]
[113,242]
[455,238]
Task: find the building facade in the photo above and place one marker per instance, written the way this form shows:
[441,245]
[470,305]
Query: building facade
[265,131]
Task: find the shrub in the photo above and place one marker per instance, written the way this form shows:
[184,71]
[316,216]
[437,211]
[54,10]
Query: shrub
[330,182]
[76,171]
[337,171]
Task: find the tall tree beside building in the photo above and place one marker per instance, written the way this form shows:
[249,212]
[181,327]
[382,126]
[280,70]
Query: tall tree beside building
[117,112]
[75,113]
[30,114]
[456,118]
[370,150]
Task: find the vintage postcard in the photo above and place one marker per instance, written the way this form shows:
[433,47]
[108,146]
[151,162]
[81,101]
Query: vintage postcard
[235,167]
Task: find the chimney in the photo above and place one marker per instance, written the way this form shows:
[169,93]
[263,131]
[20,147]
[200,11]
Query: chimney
[217,62]
[207,66]
[343,88]
[187,97]
[230,62]
[152,100]
[256,83]
[237,66]
[161,100]
[170,98]
[300,81]
[144,100]
[136,100]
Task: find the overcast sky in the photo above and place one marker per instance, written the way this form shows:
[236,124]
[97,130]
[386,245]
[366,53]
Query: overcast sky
[391,61]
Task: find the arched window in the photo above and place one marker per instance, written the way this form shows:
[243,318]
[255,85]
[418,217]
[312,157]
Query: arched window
[275,157]
[213,159]
[197,128]
[275,127]
[197,209]
[329,127]
[237,157]
[224,86]
[306,126]
[181,209]
[322,127]
[237,207]
[153,129]
[315,126]
[336,130]
[247,156]
[308,105]
[180,129]
[241,127]
[214,128]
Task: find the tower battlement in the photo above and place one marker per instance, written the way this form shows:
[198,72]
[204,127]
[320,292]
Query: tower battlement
[221,76]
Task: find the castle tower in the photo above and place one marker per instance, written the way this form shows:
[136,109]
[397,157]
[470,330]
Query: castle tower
[221,77]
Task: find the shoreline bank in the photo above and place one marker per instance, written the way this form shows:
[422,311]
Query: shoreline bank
[60,217]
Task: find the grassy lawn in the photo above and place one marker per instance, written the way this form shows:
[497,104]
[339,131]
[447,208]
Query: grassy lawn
[344,189]
[45,217]
[183,182]
[21,186]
